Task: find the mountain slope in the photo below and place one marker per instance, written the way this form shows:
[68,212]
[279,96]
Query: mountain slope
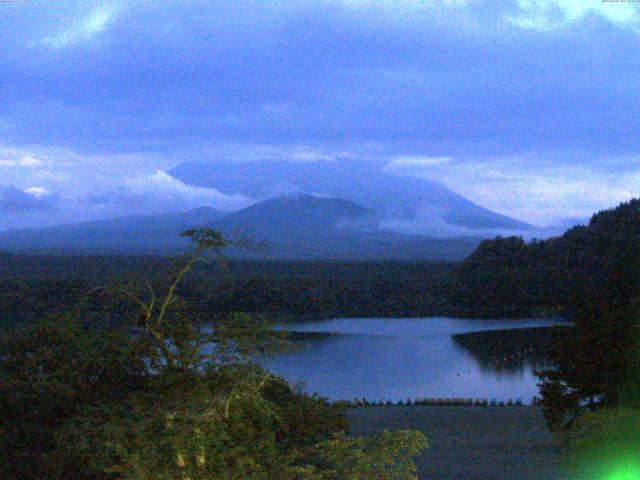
[508,276]
[299,227]
[428,207]
[136,234]
[299,217]
[292,227]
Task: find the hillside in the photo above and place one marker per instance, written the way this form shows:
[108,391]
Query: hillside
[299,217]
[423,206]
[136,234]
[290,227]
[299,227]
[508,276]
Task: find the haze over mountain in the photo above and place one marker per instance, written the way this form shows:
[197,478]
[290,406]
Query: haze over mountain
[299,217]
[300,226]
[521,107]
[135,234]
[403,202]
[293,227]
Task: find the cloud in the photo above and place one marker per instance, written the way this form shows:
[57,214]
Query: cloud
[15,158]
[543,192]
[160,192]
[417,76]
[550,14]
[432,221]
[84,28]
[38,192]
[82,188]
[408,165]
[16,201]
[132,87]
[167,193]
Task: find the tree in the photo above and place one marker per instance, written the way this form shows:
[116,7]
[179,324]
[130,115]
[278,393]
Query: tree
[604,444]
[591,274]
[599,366]
[196,405]
[51,372]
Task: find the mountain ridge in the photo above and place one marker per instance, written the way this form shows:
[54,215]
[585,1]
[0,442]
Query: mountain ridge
[295,227]
[434,209]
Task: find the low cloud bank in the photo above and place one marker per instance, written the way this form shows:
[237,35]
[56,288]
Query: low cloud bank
[14,200]
[160,192]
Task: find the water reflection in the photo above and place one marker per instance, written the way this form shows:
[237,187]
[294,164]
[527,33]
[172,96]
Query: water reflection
[515,349]
[396,359]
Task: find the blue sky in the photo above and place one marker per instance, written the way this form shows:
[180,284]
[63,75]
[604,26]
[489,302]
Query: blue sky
[526,107]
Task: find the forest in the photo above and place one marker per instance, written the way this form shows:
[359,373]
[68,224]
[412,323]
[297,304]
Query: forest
[503,278]
[84,400]
[589,275]
[280,290]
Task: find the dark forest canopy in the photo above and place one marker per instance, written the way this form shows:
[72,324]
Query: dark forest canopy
[592,274]
[32,286]
[586,268]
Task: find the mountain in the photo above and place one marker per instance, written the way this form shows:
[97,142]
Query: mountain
[136,234]
[299,217]
[300,227]
[403,202]
[289,227]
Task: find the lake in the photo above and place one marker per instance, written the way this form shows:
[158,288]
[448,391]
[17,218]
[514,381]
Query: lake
[400,358]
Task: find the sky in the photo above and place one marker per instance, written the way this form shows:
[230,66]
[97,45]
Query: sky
[529,108]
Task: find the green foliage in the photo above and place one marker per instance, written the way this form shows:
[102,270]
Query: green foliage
[190,427]
[604,445]
[592,275]
[169,399]
[50,373]
[386,456]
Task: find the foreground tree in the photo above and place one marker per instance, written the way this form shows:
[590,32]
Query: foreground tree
[172,399]
[604,444]
[591,274]
[51,374]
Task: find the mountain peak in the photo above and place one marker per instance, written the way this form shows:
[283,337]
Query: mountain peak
[305,200]
[419,205]
[297,216]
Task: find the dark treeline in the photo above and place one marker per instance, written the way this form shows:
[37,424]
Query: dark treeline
[32,286]
[592,275]
[583,270]
[316,289]
[90,403]
[589,268]
[507,277]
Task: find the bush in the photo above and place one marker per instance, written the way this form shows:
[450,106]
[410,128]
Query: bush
[90,404]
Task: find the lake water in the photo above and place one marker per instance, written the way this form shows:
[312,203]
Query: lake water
[396,359]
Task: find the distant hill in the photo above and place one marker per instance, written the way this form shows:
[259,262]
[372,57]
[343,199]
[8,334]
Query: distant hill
[586,265]
[426,207]
[136,234]
[292,227]
[302,226]
[298,217]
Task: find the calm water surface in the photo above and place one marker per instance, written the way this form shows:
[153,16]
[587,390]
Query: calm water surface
[391,358]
